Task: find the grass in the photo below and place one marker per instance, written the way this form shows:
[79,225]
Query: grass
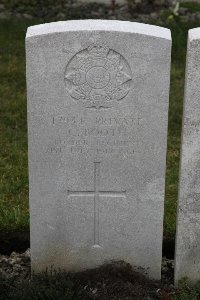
[179,38]
[13,130]
[43,286]
[191,6]
[14,215]
[186,292]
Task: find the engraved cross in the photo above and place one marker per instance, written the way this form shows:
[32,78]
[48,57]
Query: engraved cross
[96,193]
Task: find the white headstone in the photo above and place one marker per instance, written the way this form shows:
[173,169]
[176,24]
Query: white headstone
[97,113]
[187,257]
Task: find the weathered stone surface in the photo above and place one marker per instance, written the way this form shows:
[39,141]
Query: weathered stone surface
[188,220]
[97,114]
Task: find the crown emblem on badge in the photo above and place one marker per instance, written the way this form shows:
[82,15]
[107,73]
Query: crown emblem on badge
[98,50]
[98,77]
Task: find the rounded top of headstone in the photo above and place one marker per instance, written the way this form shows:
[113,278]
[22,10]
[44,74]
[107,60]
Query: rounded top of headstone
[194,34]
[101,25]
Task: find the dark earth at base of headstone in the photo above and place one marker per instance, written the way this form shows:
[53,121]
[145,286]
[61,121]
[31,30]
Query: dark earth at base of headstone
[110,281]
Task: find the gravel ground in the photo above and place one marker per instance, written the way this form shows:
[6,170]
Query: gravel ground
[149,14]
[16,265]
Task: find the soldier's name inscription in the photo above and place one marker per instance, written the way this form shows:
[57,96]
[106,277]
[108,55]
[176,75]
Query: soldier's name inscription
[99,135]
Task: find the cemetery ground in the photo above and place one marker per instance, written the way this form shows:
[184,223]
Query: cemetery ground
[113,281]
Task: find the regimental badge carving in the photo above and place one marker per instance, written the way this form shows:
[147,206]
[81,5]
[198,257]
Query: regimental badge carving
[98,77]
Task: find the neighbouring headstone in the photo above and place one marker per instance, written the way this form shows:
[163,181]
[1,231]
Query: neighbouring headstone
[187,256]
[97,118]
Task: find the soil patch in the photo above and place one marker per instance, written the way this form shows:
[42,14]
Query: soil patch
[20,241]
[14,241]
[115,280]
[168,248]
